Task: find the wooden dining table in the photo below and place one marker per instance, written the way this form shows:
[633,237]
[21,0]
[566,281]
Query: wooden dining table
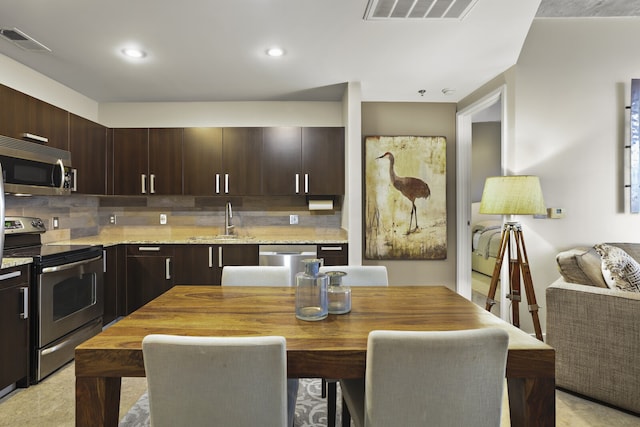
[331,348]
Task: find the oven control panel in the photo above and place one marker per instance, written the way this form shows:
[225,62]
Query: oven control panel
[18,225]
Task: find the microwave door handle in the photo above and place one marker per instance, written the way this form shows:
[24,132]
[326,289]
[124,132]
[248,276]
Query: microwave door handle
[61,165]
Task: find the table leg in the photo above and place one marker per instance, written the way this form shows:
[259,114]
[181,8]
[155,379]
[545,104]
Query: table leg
[331,403]
[97,401]
[532,402]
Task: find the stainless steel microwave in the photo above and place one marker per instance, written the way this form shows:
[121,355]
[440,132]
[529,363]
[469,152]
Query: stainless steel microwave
[31,168]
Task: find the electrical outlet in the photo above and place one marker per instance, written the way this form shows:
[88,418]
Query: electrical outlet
[55,223]
[112,219]
[293,219]
[163,219]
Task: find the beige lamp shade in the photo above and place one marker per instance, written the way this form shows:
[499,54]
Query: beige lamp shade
[512,195]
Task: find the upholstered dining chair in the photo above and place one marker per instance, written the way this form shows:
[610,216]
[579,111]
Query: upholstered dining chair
[216,381]
[254,275]
[439,378]
[357,275]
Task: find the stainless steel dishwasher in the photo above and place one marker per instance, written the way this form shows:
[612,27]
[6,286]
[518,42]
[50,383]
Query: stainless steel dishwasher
[287,255]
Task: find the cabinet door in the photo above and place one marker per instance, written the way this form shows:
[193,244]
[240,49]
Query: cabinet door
[323,160]
[238,255]
[22,114]
[48,121]
[88,146]
[130,152]
[202,160]
[114,283]
[242,161]
[13,112]
[14,339]
[165,161]
[197,265]
[149,274]
[282,161]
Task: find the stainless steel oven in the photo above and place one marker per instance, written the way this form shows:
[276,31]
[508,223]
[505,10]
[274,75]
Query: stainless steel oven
[67,293]
[69,311]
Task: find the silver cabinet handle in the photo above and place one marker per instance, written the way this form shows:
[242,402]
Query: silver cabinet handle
[25,302]
[220,256]
[42,139]
[226,183]
[152,183]
[167,268]
[11,275]
[306,183]
[330,248]
[210,256]
[149,248]
[297,183]
[217,183]
[144,183]
[104,260]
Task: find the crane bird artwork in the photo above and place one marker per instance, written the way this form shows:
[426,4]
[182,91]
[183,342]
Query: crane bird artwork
[410,187]
[405,210]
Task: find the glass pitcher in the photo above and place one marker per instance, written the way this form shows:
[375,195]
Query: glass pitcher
[311,292]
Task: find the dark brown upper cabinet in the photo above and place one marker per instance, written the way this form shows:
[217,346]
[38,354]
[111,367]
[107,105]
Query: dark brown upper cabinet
[30,119]
[223,161]
[147,161]
[305,161]
[88,146]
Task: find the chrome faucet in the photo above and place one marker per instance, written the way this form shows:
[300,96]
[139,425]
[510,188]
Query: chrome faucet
[228,215]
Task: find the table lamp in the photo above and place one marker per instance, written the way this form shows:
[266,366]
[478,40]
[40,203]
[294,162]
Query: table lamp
[514,195]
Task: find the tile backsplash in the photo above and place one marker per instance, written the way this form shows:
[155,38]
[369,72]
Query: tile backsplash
[83,216]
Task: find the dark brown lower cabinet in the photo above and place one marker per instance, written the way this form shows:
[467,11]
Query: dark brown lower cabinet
[114,283]
[14,326]
[334,254]
[149,273]
[202,264]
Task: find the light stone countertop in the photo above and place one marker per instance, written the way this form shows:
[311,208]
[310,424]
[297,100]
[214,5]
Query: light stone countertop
[111,236]
[15,262]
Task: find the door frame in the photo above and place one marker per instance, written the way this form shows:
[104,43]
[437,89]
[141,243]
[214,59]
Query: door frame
[464,120]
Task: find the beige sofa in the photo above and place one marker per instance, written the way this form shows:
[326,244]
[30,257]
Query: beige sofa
[595,330]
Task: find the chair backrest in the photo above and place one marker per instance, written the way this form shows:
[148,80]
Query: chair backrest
[361,275]
[216,381]
[254,275]
[452,378]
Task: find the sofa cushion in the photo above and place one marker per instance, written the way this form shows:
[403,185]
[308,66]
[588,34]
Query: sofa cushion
[581,265]
[625,271]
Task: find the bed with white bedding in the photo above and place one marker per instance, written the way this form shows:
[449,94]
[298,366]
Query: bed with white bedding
[486,233]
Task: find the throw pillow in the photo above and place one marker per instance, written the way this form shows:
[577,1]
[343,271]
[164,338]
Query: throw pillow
[624,270]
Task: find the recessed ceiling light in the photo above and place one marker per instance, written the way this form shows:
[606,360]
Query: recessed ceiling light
[275,51]
[134,53]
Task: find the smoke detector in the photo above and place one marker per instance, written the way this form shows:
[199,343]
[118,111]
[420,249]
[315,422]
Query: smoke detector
[417,9]
[22,40]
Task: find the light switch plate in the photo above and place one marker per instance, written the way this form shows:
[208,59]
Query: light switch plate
[163,219]
[293,219]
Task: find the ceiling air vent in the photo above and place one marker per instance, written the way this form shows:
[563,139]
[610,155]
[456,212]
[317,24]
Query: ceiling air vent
[417,9]
[22,40]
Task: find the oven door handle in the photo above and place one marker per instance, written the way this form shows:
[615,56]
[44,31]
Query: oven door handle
[70,265]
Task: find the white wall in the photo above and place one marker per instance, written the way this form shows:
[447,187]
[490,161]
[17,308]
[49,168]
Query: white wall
[26,80]
[571,88]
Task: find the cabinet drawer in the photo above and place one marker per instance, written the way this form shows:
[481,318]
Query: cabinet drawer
[13,276]
[149,250]
[334,254]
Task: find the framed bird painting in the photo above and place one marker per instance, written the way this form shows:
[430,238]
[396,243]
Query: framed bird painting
[405,197]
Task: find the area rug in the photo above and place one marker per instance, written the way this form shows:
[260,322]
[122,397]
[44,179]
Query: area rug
[311,407]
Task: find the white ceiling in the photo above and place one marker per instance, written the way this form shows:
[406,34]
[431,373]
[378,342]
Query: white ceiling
[214,50]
